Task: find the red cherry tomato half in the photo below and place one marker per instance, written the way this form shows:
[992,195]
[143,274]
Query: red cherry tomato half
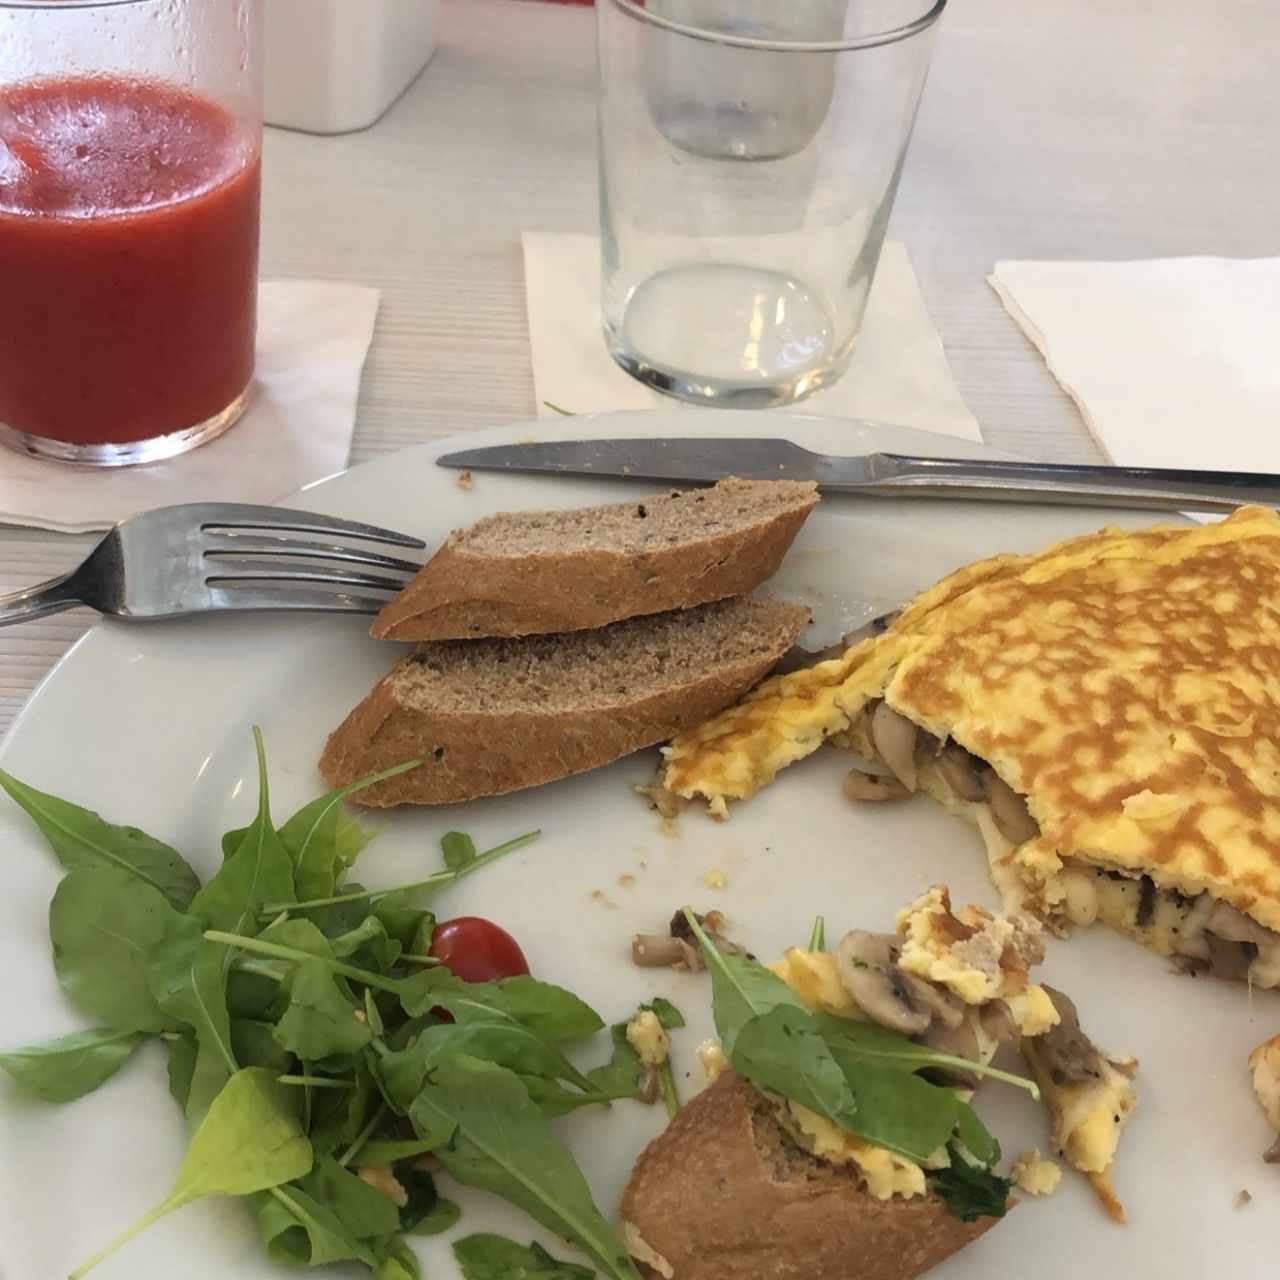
[477,950]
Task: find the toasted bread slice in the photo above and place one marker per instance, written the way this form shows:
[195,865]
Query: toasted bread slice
[724,1194]
[489,716]
[539,572]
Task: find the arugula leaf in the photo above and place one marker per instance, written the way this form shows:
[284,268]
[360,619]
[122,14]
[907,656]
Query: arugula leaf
[323,839]
[974,1136]
[971,1192]
[490,1257]
[553,1099]
[458,849]
[320,1021]
[622,1075]
[368,941]
[255,1045]
[549,1011]
[384,1153]
[105,926]
[876,1044]
[400,1263]
[818,938]
[82,840]
[500,1143]
[181,1067]
[670,1018]
[299,1230]
[741,989]
[364,1212]
[442,1216]
[410,926]
[260,869]
[67,1068]
[187,978]
[249,1141]
[782,1051]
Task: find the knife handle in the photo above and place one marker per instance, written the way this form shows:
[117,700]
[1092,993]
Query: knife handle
[1064,483]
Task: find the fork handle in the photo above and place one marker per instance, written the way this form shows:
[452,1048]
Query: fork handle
[37,602]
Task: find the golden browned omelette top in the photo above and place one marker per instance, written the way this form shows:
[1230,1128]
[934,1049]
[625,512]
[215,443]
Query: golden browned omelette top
[1126,682]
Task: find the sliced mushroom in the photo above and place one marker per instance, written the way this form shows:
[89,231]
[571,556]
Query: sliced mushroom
[657,951]
[860,787]
[894,738]
[946,1008]
[1009,811]
[997,1021]
[961,772]
[1064,1053]
[959,1042]
[868,969]
[1229,959]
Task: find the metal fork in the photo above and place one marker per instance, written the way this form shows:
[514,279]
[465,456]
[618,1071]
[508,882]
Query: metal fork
[205,557]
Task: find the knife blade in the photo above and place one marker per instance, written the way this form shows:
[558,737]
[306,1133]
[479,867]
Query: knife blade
[705,460]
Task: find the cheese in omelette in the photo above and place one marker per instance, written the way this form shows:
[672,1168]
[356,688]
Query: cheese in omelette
[1106,711]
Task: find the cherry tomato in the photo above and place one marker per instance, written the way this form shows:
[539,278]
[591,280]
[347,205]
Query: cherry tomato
[477,950]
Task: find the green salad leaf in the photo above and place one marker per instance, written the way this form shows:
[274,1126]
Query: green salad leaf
[458,849]
[84,841]
[67,1068]
[250,1140]
[549,1011]
[260,869]
[490,1257]
[971,1191]
[105,926]
[302,1231]
[321,1020]
[500,1142]
[741,989]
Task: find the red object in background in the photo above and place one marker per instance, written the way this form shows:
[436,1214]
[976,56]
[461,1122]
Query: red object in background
[128,260]
[477,950]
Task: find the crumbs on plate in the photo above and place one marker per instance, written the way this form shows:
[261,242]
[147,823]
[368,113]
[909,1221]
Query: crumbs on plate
[465,480]
[715,879]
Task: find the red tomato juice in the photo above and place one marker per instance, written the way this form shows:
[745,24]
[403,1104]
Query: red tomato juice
[128,259]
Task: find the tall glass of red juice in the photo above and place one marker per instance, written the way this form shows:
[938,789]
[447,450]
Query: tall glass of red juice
[130,161]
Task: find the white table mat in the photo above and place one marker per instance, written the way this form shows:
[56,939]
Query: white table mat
[899,371]
[312,341]
[1173,362]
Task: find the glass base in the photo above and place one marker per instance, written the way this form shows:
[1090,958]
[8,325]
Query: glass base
[729,335]
[132,453]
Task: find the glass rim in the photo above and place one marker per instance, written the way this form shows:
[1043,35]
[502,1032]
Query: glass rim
[635,9]
[52,5]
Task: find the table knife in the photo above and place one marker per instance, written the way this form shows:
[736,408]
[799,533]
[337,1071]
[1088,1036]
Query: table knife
[882,475]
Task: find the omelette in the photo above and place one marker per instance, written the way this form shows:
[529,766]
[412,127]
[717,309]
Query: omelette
[1106,711]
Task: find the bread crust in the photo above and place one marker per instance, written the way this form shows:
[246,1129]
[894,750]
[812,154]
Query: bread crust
[459,595]
[472,754]
[717,1196]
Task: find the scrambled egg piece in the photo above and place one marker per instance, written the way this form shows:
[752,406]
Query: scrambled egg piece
[1034,1175]
[886,1173]
[1113,680]
[975,955]
[813,976]
[711,1055]
[1033,1012]
[647,1037]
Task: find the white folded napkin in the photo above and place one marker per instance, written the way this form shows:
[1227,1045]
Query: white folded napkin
[1173,362]
[899,371]
[312,339]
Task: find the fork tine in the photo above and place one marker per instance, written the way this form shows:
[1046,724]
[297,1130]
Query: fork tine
[232,597]
[269,571]
[232,544]
[248,516]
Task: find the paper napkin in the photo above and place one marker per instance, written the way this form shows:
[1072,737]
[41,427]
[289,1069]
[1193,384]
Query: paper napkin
[312,340]
[899,372]
[1173,361]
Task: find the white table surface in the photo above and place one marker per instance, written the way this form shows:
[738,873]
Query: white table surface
[1059,129]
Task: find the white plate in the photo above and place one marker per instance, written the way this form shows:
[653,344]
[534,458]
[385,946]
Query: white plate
[151,725]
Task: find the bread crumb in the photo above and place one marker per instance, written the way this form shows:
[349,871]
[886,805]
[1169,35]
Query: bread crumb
[602,899]
[626,880]
[1242,1198]
[1035,1175]
[527,440]
[465,480]
[643,1252]
[715,879]
[359,1015]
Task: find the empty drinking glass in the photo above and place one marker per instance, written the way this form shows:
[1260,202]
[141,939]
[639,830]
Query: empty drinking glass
[749,155]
